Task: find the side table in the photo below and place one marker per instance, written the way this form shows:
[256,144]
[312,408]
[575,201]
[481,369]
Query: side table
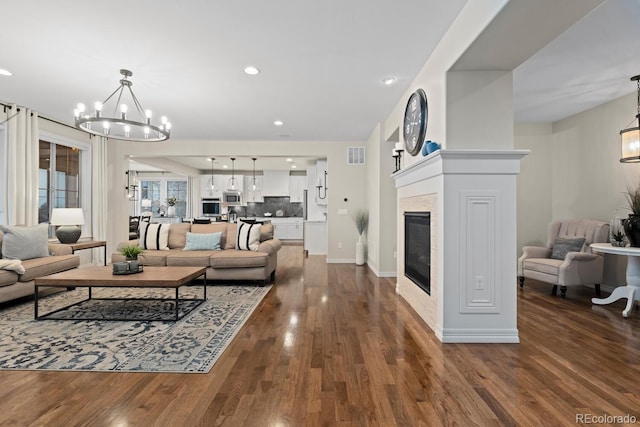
[632,289]
[89,244]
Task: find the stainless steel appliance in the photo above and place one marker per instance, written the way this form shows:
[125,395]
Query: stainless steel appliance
[210,207]
[232,198]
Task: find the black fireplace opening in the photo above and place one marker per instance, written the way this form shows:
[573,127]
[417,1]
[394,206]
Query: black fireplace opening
[417,249]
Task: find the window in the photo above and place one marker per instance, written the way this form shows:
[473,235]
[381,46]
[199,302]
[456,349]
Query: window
[158,190]
[58,178]
[178,189]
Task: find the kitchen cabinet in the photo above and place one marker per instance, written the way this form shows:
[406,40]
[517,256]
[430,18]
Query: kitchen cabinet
[275,183]
[251,195]
[290,228]
[315,237]
[297,185]
[205,186]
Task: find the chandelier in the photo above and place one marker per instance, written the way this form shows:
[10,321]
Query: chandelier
[630,137]
[121,126]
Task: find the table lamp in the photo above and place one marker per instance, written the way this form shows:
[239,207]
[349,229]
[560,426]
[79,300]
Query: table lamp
[68,221]
[146,204]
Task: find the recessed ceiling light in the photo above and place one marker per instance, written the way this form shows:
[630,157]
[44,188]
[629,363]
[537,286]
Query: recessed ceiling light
[251,70]
[224,166]
[278,123]
[389,80]
[289,159]
[293,166]
[4,72]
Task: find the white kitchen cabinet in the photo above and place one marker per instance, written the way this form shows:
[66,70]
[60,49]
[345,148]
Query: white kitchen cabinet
[251,195]
[289,228]
[315,237]
[294,229]
[205,186]
[297,185]
[275,183]
[322,180]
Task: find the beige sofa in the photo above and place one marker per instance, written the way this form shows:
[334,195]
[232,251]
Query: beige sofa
[14,285]
[227,264]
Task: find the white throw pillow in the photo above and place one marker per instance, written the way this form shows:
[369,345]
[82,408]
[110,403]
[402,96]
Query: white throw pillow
[248,236]
[154,236]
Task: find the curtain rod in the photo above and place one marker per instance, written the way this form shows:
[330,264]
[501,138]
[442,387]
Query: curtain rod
[42,117]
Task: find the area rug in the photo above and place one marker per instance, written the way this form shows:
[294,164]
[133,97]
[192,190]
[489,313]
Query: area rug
[192,344]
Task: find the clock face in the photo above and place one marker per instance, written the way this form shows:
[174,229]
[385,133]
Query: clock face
[415,122]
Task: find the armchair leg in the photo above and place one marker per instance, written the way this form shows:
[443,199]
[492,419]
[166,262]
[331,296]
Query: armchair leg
[563,291]
[521,280]
[554,290]
[597,290]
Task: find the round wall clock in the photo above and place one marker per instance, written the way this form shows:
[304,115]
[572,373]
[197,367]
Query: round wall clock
[415,122]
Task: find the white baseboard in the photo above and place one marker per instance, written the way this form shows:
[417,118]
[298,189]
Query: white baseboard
[374,268]
[492,336]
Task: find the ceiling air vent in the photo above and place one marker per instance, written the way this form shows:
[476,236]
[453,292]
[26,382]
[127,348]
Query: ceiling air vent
[355,156]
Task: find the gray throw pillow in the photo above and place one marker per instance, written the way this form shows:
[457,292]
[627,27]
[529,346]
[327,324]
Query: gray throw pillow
[563,246]
[25,242]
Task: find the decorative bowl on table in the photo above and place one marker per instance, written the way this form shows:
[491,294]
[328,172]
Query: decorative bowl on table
[267,214]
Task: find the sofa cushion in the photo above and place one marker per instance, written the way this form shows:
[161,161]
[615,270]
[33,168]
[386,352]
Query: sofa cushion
[203,241]
[214,228]
[25,242]
[190,258]
[562,247]
[38,267]
[178,235]
[8,277]
[248,236]
[233,258]
[154,236]
[266,231]
[232,230]
[543,265]
[155,257]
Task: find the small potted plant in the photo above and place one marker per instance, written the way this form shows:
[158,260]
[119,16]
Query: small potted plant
[171,202]
[617,238]
[131,252]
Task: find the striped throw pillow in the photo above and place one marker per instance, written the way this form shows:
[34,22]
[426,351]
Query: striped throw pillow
[248,236]
[154,236]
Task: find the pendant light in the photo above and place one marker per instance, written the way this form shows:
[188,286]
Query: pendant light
[630,137]
[233,182]
[254,173]
[212,180]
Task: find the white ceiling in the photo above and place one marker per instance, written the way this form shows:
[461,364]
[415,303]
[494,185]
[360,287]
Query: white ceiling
[322,62]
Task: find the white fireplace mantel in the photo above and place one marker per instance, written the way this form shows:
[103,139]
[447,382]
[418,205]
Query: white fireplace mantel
[471,195]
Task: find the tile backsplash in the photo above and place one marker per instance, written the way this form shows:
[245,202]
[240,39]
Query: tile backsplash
[270,205]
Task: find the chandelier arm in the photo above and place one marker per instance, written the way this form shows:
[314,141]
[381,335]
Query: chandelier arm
[115,108]
[119,88]
[136,102]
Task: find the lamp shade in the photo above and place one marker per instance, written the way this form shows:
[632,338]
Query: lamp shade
[630,139]
[67,216]
[146,203]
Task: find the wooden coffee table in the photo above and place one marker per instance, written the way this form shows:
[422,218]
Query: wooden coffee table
[103,277]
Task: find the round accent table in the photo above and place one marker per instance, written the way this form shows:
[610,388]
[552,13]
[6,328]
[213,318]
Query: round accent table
[632,290]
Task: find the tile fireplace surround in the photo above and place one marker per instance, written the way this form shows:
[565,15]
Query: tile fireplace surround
[471,195]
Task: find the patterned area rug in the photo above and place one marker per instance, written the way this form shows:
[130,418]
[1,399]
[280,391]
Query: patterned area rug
[192,344]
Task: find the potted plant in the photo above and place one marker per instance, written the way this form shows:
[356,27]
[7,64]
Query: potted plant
[632,224]
[361,220]
[131,252]
[171,202]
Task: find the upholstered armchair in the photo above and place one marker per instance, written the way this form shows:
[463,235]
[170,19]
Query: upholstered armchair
[567,259]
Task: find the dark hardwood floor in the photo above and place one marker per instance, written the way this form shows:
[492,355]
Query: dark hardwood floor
[332,345]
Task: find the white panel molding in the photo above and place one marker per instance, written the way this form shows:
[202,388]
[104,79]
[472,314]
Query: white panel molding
[479,234]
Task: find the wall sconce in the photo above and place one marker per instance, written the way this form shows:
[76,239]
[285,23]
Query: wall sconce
[321,186]
[132,189]
[397,155]
[630,137]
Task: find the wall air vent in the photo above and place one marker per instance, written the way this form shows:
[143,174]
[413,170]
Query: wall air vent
[355,156]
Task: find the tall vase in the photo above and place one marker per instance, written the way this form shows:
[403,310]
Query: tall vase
[632,229]
[171,211]
[359,251]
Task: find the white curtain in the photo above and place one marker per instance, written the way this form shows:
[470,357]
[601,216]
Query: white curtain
[22,167]
[99,214]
